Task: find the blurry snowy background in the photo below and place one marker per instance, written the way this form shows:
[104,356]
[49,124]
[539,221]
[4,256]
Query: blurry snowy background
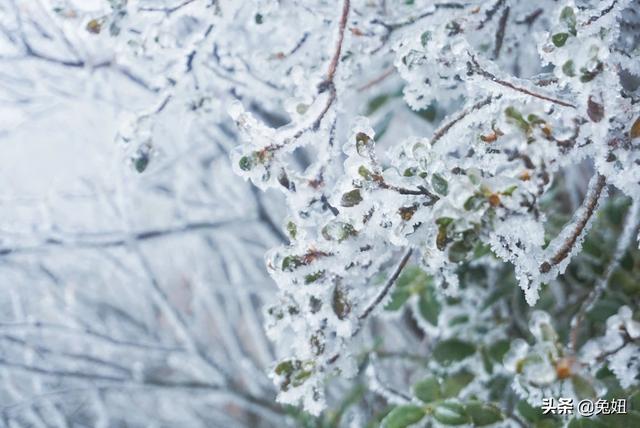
[126,299]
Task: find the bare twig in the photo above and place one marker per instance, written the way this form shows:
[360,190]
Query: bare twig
[333,66]
[502,28]
[490,13]
[81,241]
[531,18]
[377,80]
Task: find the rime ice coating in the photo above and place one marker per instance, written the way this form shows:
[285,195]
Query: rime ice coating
[475,182]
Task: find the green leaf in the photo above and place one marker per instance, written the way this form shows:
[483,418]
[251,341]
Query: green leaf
[583,388]
[409,172]
[398,298]
[290,263]
[292,229]
[473,202]
[569,68]
[560,39]
[428,306]
[364,173]
[440,185]
[519,120]
[141,163]
[427,390]
[498,387]
[548,423]
[377,102]
[509,191]
[313,277]
[340,302]
[486,361]
[453,384]
[413,278]
[351,198]
[453,350]
[412,281]
[458,251]
[380,128]
[602,310]
[363,143]
[444,221]
[429,113]
[245,163]
[499,349]
[529,412]
[441,238]
[451,413]
[338,231]
[403,416]
[483,414]
[568,17]
[631,419]
[459,319]
[425,38]
[586,423]
[284,367]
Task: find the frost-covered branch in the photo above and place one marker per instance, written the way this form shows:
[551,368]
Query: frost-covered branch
[578,227]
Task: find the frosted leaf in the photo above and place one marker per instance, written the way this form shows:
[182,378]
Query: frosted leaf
[625,364]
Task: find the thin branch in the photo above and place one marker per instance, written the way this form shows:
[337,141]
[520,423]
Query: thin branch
[41,349]
[588,209]
[440,132]
[391,27]
[474,67]
[602,13]
[377,80]
[502,28]
[531,18]
[84,242]
[387,287]
[264,216]
[327,85]
[333,66]
[631,226]
[41,327]
[379,297]
[386,391]
[490,13]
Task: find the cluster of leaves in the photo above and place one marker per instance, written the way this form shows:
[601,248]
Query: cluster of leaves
[479,377]
[472,190]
